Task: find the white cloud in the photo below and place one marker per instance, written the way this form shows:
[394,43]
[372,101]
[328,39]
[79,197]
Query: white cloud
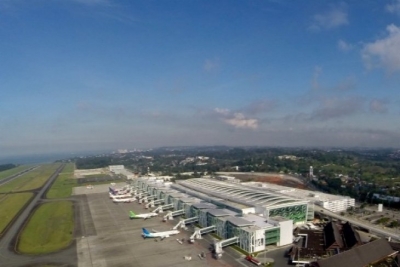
[240,121]
[315,80]
[394,7]
[333,18]
[337,107]
[384,52]
[347,84]
[344,46]
[237,119]
[222,111]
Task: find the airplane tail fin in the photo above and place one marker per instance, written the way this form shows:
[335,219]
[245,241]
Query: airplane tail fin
[132,214]
[145,231]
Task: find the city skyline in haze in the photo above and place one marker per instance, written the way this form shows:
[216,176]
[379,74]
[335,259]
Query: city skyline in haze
[82,75]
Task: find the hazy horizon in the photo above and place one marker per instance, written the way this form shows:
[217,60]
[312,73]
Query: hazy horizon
[85,75]
[50,157]
[44,157]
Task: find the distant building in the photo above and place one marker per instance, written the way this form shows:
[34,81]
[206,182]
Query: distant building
[386,197]
[290,157]
[286,235]
[380,207]
[337,205]
[340,236]
[226,178]
[86,172]
[319,244]
[375,253]
[334,203]
[116,168]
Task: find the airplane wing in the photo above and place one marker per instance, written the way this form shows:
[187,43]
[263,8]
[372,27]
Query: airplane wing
[164,236]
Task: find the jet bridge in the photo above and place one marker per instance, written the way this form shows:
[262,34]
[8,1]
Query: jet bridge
[160,209]
[182,223]
[218,245]
[136,192]
[146,198]
[197,234]
[152,203]
[142,194]
[170,215]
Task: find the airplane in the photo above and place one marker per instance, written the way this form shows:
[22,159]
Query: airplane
[124,200]
[112,191]
[122,191]
[147,234]
[120,196]
[145,216]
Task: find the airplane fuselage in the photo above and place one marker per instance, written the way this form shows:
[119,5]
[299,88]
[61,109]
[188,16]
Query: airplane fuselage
[124,200]
[143,215]
[120,196]
[160,234]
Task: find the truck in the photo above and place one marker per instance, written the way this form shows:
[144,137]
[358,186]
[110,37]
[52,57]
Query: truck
[253,260]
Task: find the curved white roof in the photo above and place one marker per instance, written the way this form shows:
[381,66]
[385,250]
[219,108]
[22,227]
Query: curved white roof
[240,193]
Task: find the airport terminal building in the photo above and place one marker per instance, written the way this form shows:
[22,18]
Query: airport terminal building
[334,203]
[248,216]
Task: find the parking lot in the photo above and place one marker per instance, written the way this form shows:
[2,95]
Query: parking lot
[117,241]
[99,178]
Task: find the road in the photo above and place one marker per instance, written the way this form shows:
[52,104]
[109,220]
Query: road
[371,228]
[9,258]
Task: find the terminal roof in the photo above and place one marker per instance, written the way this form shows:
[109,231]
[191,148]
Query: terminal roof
[203,205]
[258,220]
[239,221]
[244,196]
[221,212]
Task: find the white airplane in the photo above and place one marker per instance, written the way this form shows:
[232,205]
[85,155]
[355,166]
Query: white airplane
[124,200]
[147,234]
[145,216]
[121,191]
[120,196]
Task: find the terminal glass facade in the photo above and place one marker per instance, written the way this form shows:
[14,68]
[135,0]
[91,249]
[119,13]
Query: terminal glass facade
[231,230]
[296,213]
[272,236]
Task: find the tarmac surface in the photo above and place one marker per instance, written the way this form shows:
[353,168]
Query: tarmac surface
[110,238]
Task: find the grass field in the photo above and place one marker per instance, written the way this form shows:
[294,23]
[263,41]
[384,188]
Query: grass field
[31,180]
[10,205]
[8,173]
[49,229]
[62,186]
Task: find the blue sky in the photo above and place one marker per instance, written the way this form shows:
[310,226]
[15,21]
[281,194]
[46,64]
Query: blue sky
[79,75]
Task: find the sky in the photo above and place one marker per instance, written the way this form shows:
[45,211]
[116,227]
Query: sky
[80,75]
